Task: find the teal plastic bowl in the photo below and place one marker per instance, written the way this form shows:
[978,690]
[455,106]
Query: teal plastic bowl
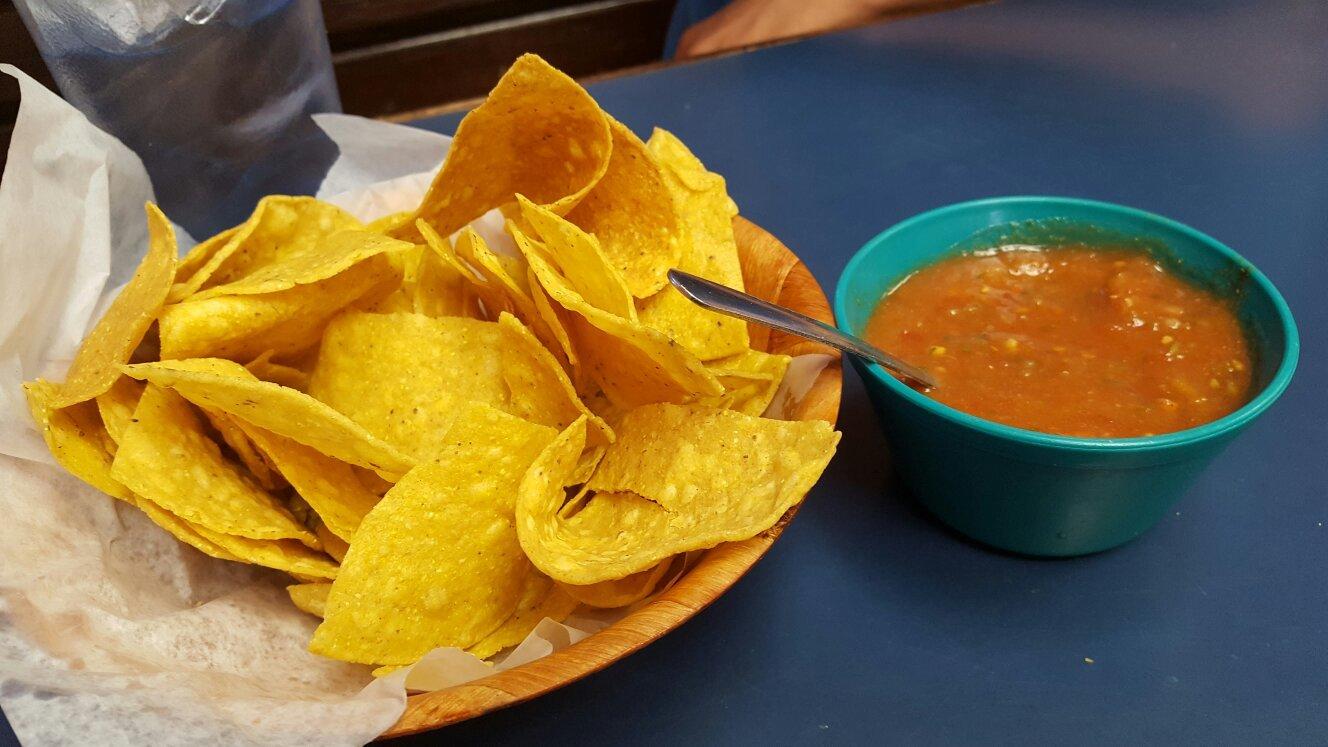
[1036,493]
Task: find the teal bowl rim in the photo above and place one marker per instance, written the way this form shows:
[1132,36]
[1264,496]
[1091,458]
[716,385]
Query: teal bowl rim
[1225,424]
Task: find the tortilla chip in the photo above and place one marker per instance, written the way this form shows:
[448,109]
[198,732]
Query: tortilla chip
[332,544]
[287,322]
[311,598]
[680,455]
[750,380]
[540,599]
[116,405]
[726,498]
[329,486]
[437,562]
[76,438]
[538,133]
[553,321]
[201,253]
[578,256]
[633,215]
[710,252]
[224,385]
[439,289]
[403,376]
[538,388]
[183,530]
[97,364]
[166,457]
[279,227]
[633,364]
[264,369]
[230,430]
[282,555]
[619,592]
[305,263]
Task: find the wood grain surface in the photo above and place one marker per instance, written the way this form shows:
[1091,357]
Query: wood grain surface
[774,273]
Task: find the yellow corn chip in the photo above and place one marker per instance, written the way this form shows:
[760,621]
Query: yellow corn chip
[402,376]
[750,379]
[680,455]
[551,318]
[389,223]
[538,133]
[279,227]
[287,322]
[619,592]
[229,429]
[117,404]
[330,487]
[282,555]
[540,598]
[332,544]
[167,458]
[121,329]
[727,498]
[578,256]
[440,289]
[182,530]
[311,597]
[437,563]
[633,215]
[229,387]
[538,388]
[76,438]
[710,252]
[201,253]
[307,263]
[264,369]
[634,364]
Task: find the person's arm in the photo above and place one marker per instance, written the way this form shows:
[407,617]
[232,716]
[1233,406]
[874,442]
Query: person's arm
[746,22]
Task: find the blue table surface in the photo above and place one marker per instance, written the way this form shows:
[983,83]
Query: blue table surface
[868,621]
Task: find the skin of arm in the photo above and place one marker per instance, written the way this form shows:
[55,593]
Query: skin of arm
[743,23]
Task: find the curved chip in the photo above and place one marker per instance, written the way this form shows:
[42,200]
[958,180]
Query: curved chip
[309,597]
[329,486]
[183,530]
[619,592]
[712,494]
[632,213]
[579,257]
[437,561]
[540,598]
[634,364]
[308,262]
[538,133]
[227,386]
[710,251]
[76,438]
[287,322]
[166,457]
[116,405]
[403,376]
[279,227]
[97,364]
[538,388]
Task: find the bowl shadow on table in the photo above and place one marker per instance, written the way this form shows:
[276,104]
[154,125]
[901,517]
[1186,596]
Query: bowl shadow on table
[894,548]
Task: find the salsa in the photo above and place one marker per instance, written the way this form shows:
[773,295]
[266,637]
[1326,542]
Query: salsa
[1074,340]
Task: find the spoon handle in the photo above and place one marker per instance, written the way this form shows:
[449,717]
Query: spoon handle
[725,300]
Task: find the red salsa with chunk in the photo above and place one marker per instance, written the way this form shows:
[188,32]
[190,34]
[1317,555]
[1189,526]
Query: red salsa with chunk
[1094,342]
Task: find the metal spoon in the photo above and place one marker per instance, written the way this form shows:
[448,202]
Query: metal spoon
[734,303]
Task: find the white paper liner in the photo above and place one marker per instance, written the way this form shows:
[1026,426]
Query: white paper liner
[111,632]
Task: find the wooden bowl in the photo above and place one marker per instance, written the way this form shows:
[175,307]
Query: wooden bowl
[774,273]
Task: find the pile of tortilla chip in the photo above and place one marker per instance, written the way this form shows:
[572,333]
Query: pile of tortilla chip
[443,442]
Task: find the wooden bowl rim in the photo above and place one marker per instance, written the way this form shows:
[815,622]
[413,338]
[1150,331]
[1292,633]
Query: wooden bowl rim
[718,570]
